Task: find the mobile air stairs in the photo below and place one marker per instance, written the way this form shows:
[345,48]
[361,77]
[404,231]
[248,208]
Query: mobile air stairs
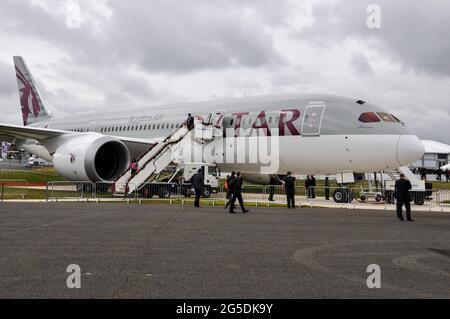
[163,153]
[419,190]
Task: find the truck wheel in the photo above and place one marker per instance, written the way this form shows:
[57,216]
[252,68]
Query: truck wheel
[207,193]
[165,193]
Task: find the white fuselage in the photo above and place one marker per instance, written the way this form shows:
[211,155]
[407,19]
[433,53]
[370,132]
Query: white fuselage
[317,134]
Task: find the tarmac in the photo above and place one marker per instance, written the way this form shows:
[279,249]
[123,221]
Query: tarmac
[174,251]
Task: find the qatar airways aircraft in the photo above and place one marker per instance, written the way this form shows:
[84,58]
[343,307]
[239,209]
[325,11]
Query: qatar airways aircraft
[318,134]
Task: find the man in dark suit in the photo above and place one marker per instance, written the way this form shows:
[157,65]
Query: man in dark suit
[198,185]
[273,181]
[230,186]
[402,188]
[312,186]
[190,121]
[236,187]
[308,185]
[289,188]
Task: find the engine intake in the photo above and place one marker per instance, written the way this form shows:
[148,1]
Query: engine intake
[91,157]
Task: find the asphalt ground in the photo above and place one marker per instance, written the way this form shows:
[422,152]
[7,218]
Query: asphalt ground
[163,251]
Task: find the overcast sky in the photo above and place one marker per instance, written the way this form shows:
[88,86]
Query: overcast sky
[125,54]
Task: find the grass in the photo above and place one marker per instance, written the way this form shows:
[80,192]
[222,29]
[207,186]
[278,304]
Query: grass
[37,175]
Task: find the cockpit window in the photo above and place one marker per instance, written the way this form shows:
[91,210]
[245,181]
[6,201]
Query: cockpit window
[369,117]
[396,118]
[387,117]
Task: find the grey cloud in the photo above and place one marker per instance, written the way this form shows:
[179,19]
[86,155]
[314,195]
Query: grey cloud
[361,64]
[175,36]
[7,79]
[413,32]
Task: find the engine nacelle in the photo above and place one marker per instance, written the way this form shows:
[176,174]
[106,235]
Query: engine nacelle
[258,179]
[91,157]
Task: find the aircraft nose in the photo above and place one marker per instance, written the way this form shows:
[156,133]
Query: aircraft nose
[409,149]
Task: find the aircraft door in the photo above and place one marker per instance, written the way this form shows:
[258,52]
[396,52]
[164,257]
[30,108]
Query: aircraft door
[312,120]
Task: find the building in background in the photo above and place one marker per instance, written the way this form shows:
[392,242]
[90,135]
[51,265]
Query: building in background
[436,155]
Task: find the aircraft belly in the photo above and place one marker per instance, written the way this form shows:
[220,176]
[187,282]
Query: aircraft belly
[328,154]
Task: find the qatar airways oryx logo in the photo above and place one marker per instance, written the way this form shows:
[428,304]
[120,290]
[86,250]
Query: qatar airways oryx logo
[28,98]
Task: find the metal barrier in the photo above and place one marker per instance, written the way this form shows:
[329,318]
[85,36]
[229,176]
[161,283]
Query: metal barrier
[108,190]
[160,190]
[443,198]
[258,194]
[254,193]
[69,190]
[13,188]
[329,195]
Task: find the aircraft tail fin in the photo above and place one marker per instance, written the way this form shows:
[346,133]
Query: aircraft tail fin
[33,109]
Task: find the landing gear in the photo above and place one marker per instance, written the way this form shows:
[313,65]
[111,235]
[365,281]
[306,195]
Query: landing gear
[418,198]
[343,195]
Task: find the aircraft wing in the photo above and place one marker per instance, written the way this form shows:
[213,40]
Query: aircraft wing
[18,133]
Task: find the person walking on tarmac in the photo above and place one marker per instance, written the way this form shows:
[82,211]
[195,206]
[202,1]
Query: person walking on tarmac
[198,185]
[229,194]
[402,187]
[236,187]
[289,188]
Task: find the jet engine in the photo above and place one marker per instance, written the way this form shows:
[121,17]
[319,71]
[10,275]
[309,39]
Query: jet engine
[258,179]
[91,157]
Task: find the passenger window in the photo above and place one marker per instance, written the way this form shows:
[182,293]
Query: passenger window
[368,117]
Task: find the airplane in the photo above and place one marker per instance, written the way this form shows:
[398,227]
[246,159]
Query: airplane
[318,134]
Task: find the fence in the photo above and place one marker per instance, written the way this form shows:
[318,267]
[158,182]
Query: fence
[258,194]
[13,188]
[70,190]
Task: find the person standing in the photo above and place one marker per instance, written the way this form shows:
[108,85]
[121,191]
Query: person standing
[402,188]
[198,185]
[190,121]
[439,174]
[308,185]
[313,186]
[237,193]
[327,188]
[289,188]
[273,181]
